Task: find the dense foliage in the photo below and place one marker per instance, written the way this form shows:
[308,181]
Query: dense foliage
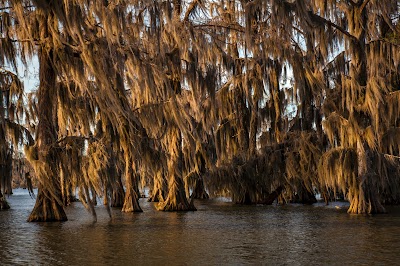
[255,100]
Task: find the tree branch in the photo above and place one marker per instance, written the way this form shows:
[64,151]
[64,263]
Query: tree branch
[11,7]
[363,4]
[190,9]
[325,21]
[215,25]
[352,2]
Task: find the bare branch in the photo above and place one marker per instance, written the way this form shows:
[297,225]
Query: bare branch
[190,9]
[10,7]
[325,21]
[363,4]
[212,25]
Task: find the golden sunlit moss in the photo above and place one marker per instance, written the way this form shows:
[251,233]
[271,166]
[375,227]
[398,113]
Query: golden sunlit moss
[252,99]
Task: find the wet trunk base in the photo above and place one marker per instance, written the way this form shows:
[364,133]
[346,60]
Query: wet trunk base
[68,200]
[117,193]
[328,196]
[156,196]
[117,197]
[3,203]
[47,209]
[304,197]
[131,203]
[176,200]
[176,204]
[246,199]
[364,198]
[268,200]
[370,204]
[391,201]
[117,200]
[199,191]
[249,198]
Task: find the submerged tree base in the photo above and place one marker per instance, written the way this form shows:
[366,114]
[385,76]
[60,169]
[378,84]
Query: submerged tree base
[176,200]
[362,205]
[47,209]
[199,191]
[131,203]
[268,200]
[3,203]
[70,199]
[156,196]
[174,205]
[117,197]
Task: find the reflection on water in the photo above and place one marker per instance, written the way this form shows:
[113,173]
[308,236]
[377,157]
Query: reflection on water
[218,233]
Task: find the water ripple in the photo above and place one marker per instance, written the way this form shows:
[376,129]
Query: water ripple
[219,233]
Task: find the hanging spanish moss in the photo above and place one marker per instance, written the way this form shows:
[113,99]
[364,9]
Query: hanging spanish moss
[252,100]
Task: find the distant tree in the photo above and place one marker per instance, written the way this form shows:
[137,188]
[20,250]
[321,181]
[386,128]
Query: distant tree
[353,69]
[12,132]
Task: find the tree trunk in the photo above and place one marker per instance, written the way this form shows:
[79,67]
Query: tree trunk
[253,129]
[159,187]
[48,205]
[304,196]
[131,203]
[176,199]
[117,194]
[199,191]
[47,208]
[6,168]
[272,196]
[364,197]
[3,202]
[67,190]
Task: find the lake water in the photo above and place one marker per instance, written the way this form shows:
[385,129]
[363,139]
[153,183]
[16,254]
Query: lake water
[219,233]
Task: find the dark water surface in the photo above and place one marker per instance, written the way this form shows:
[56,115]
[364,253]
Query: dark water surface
[219,233]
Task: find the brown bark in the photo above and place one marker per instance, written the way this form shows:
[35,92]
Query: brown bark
[272,196]
[3,202]
[5,168]
[48,205]
[47,208]
[157,193]
[303,195]
[117,194]
[364,198]
[253,129]
[131,202]
[176,199]
[199,191]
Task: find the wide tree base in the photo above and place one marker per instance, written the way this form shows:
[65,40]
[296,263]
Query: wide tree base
[131,203]
[365,200]
[70,199]
[199,191]
[268,200]
[361,206]
[47,209]
[117,199]
[3,203]
[176,200]
[173,206]
[156,196]
[304,198]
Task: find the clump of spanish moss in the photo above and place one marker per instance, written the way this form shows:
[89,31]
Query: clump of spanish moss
[249,99]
